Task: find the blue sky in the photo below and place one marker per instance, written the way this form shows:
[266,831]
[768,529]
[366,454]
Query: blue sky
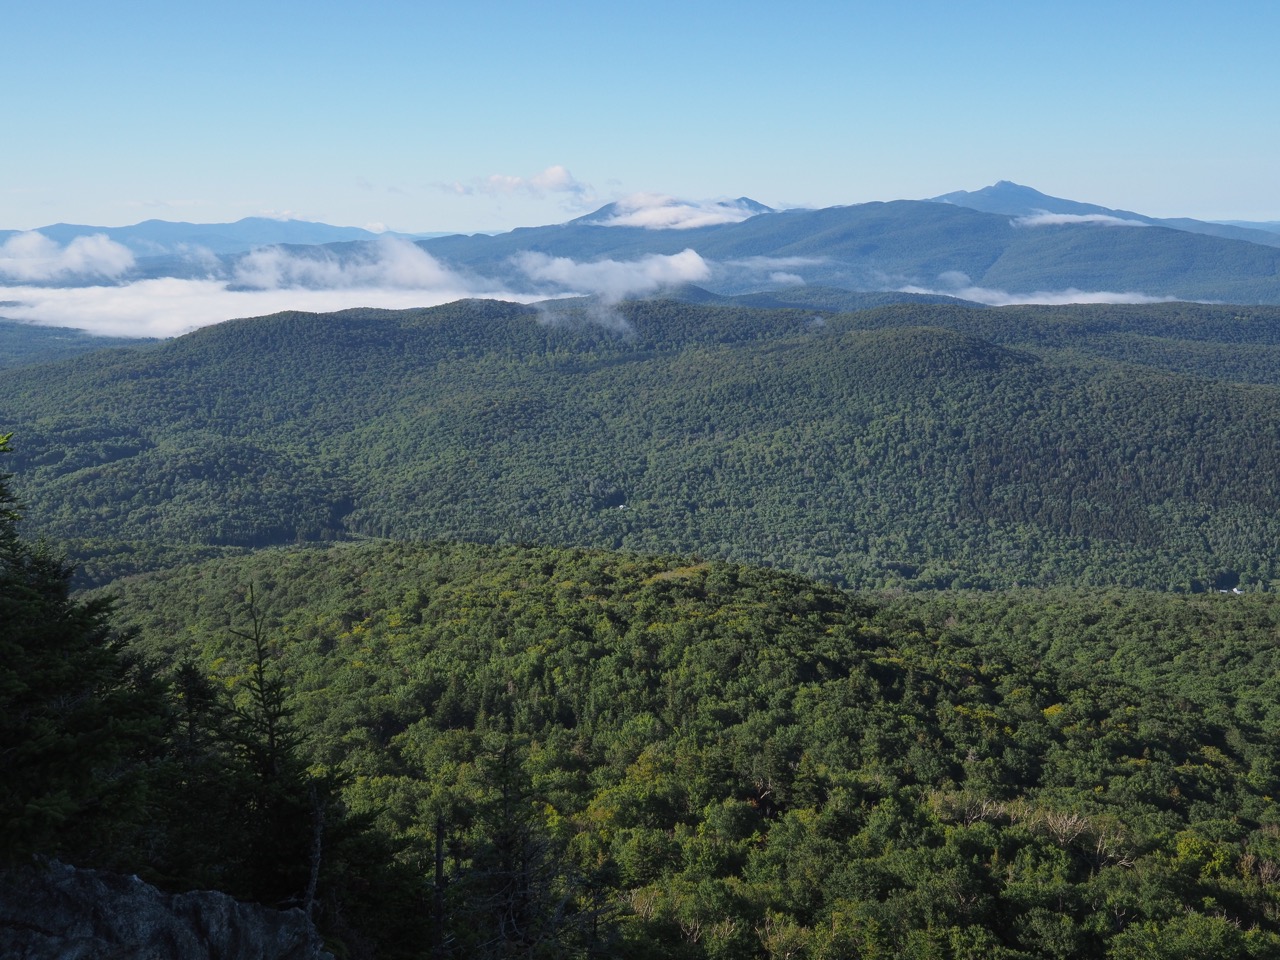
[487,116]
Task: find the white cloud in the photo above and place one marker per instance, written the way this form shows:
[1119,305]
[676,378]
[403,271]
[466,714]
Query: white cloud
[656,211]
[1045,219]
[285,215]
[201,256]
[954,279]
[389,262]
[554,179]
[394,274]
[747,272]
[615,279]
[33,258]
[169,307]
[953,283]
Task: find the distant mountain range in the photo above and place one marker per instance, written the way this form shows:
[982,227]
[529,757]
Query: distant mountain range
[1016,200]
[152,238]
[1004,243]
[1271,226]
[918,246]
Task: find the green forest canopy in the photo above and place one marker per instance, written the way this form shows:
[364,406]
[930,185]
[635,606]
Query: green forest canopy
[648,755]
[916,445]
[707,760]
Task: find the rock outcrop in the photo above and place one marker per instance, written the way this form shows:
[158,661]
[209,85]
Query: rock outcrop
[53,911]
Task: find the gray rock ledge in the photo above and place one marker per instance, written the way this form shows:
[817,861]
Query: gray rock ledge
[52,911]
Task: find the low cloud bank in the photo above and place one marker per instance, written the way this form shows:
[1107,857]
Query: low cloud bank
[656,211]
[169,307]
[32,257]
[391,274]
[953,283]
[1046,219]
[389,263]
[614,279]
[747,271]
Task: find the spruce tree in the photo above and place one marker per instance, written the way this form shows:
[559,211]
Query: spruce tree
[75,720]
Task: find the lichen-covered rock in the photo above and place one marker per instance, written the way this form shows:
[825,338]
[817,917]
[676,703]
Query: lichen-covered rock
[56,912]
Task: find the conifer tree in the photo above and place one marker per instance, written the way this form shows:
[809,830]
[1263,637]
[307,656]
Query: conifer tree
[76,721]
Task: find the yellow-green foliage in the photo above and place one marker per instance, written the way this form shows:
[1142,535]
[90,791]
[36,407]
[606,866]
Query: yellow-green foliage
[698,759]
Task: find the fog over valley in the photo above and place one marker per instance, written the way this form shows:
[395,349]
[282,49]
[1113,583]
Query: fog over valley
[159,279]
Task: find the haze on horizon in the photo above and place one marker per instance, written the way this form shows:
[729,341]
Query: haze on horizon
[494,115]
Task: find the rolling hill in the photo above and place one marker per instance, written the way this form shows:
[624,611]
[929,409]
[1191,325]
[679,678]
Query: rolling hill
[913,445]
[22,343]
[695,759]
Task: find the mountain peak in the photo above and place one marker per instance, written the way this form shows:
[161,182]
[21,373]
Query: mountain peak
[1016,200]
[655,211]
[1000,191]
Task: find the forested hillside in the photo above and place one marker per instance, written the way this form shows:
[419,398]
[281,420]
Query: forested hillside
[638,757]
[23,343]
[914,445]
[454,749]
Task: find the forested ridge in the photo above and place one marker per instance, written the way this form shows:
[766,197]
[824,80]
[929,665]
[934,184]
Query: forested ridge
[23,343]
[913,445]
[667,757]
[483,749]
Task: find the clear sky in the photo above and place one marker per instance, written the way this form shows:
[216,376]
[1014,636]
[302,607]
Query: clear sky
[490,115]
